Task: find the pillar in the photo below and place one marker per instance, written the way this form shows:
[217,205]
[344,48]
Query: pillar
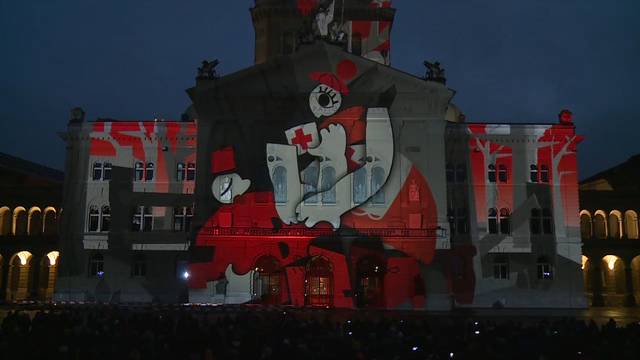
[629,299]
[595,274]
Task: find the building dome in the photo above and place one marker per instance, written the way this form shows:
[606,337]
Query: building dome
[454,114]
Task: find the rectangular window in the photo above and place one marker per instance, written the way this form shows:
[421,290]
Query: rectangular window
[502,173]
[544,174]
[97,171]
[106,218]
[491,173]
[148,219]
[191,171]
[178,219]
[545,271]
[533,173]
[107,171]
[501,269]
[493,221]
[136,224]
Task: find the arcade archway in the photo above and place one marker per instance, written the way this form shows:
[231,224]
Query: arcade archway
[269,280]
[19,279]
[319,282]
[370,281]
[47,276]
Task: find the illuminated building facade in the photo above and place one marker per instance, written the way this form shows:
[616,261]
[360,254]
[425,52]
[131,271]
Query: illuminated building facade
[30,199]
[325,177]
[610,204]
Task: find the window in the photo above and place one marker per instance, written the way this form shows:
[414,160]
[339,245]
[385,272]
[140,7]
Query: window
[493,221]
[544,173]
[96,265]
[533,173]
[462,224]
[501,268]
[547,221]
[450,173]
[461,173]
[226,190]
[106,218]
[377,180]
[147,224]
[585,225]
[544,268]
[615,224]
[191,171]
[631,224]
[148,176]
[94,218]
[280,184]
[502,173]
[142,219]
[505,222]
[359,186]
[181,172]
[182,217]
[600,225]
[327,185]
[97,171]
[535,222]
[139,266]
[138,171]
[491,174]
[310,186]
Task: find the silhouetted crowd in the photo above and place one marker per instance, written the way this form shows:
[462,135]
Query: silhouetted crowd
[282,333]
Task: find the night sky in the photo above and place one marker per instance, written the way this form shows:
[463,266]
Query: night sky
[509,61]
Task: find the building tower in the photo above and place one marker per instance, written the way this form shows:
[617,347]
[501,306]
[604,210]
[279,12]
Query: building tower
[363,27]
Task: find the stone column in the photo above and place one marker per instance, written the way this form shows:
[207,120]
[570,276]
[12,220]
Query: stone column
[629,299]
[595,276]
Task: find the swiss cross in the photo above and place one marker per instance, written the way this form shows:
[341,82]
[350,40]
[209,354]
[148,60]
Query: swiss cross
[302,139]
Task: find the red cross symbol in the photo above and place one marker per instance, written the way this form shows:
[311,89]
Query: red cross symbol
[302,139]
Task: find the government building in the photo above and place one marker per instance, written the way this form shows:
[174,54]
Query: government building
[321,176]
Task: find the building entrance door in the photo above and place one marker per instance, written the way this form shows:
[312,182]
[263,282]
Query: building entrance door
[269,280]
[319,283]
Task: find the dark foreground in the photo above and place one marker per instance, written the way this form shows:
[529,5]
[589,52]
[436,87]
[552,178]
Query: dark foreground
[244,332]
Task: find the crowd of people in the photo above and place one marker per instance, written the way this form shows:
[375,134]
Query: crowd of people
[106,332]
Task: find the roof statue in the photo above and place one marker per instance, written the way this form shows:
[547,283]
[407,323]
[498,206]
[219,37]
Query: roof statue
[208,70]
[435,72]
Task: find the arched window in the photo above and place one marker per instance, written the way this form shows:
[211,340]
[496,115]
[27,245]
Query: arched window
[535,222]
[191,171]
[631,224]
[97,171]
[547,221]
[139,266]
[310,186]
[35,221]
[505,222]
[148,176]
[461,173]
[96,265]
[544,268]
[377,181]
[20,221]
[502,173]
[450,173]
[107,171]
[138,171]
[491,173]
[544,173]
[359,186]
[49,222]
[585,225]
[327,186]
[181,172]
[533,173]
[615,224]
[493,221]
[600,225]
[501,268]
[106,218]
[280,184]
[94,219]
[5,221]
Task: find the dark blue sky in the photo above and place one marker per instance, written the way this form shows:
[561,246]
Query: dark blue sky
[515,61]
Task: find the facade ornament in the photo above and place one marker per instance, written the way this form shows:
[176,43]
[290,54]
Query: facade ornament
[208,70]
[435,72]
